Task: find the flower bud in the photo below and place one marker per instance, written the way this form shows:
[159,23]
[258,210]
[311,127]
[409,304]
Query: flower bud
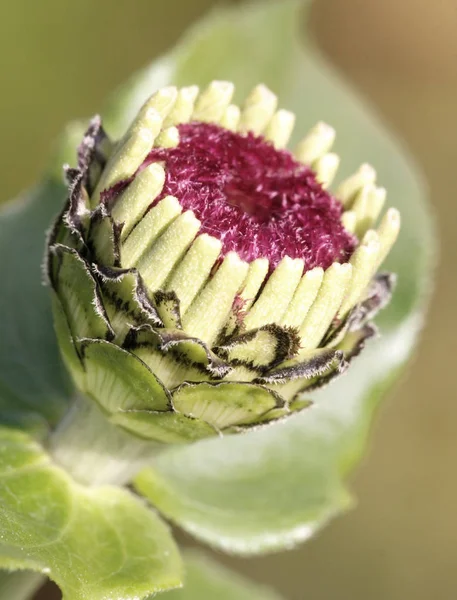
[204,278]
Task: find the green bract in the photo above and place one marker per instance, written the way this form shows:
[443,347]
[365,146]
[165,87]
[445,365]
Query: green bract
[147,308]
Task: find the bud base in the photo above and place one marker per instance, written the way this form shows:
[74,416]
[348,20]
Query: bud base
[96,452]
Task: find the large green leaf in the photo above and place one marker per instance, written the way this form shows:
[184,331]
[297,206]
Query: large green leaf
[207,580]
[273,488]
[34,386]
[32,379]
[96,543]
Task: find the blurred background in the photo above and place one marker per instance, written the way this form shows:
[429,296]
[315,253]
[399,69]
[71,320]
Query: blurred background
[59,60]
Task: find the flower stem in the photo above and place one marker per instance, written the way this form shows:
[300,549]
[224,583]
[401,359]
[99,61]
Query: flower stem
[19,585]
[96,452]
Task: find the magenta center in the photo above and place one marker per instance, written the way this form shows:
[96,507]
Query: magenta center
[259,201]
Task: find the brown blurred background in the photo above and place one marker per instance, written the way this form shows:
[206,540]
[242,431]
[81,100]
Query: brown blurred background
[59,59]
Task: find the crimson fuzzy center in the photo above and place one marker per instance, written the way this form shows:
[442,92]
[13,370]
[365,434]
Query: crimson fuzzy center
[257,200]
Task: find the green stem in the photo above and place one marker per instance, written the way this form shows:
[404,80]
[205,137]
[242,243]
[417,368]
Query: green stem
[19,585]
[96,452]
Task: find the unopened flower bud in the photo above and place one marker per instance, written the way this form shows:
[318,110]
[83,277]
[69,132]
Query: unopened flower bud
[205,280]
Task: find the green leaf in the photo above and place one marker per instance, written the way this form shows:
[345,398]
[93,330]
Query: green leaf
[32,377]
[95,543]
[34,386]
[273,488]
[207,580]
